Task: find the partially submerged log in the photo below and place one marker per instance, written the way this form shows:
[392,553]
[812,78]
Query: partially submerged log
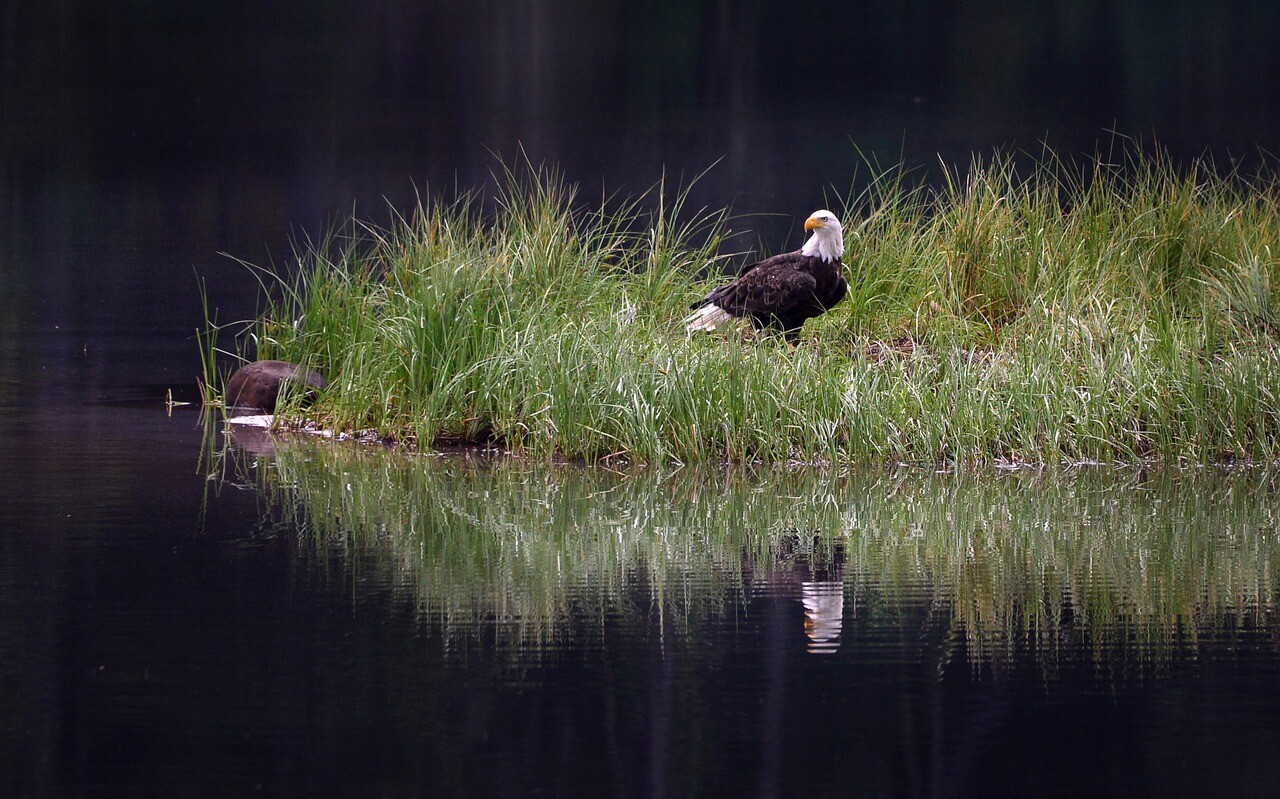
[258,385]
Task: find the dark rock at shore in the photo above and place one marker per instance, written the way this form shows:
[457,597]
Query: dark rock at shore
[257,385]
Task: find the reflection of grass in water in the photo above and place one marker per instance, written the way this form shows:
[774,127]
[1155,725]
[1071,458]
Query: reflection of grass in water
[1098,560]
[532,549]
[1116,563]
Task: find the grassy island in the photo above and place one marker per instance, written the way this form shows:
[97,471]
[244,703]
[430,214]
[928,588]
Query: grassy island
[1066,313]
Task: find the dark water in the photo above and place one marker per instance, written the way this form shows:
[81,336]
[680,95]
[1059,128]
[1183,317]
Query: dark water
[176,618]
[336,621]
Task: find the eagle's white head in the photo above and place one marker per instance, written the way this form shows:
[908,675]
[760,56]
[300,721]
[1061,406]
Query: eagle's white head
[827,241]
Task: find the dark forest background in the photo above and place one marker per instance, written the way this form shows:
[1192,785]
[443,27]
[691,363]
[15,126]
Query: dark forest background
[621,88]
[138,140]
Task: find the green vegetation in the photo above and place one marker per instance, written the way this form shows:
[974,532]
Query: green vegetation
[1119,566]
[1110,313]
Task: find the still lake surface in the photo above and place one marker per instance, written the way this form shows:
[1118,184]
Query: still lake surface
[186,614]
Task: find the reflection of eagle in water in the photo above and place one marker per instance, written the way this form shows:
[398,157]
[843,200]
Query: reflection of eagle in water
[783,291]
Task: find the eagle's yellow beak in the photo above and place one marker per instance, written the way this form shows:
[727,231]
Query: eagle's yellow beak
[811,223]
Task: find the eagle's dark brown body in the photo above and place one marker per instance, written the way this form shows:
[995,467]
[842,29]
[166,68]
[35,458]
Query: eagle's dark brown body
[782,292]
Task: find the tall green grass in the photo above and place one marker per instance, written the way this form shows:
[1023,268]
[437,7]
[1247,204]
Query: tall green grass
[1065,312]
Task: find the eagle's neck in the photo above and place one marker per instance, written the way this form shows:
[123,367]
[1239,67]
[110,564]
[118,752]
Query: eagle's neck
[825,243]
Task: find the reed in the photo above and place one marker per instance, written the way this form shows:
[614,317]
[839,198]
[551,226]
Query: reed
[1062,313]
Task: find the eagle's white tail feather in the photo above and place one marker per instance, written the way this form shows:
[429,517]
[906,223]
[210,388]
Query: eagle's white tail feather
[708,317]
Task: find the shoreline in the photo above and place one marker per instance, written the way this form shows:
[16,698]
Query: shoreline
[1123,315]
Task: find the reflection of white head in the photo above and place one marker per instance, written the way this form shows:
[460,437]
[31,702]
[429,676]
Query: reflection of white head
[827,241]
[823,614]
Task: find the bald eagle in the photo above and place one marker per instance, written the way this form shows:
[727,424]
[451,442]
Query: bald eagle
[781,292]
